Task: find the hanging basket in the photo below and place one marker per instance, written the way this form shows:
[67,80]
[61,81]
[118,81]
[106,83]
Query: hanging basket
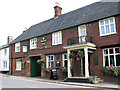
[40,61]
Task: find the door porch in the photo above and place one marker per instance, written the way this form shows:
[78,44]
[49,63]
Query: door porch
[87,48]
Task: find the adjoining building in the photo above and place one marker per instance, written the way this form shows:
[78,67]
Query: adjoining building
[84,41]
[4,56]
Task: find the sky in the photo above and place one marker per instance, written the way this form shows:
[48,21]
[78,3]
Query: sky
[16,15]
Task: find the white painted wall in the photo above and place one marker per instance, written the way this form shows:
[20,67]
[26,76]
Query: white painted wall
[5,59]
[0,62]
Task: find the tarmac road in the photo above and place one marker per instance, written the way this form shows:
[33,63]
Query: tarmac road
[12,82]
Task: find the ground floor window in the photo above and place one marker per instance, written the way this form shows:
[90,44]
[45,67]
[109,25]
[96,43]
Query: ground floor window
[18,64]
[50,61]
[64,58]
[4,64]
[111,57]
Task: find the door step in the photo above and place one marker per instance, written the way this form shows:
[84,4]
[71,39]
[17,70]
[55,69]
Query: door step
[92,79]
[79,80]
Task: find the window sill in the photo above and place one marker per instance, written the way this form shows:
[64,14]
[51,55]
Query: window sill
[17,52]
[17,70]
[108,34]
[56,44]
[33,48]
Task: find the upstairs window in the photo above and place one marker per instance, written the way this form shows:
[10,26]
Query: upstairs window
[82,33]
[82,30]
[5,51]
[107,26]
[17,47]
[57,38]
[33,43]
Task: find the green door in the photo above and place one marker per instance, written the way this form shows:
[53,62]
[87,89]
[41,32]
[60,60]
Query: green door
[34,68]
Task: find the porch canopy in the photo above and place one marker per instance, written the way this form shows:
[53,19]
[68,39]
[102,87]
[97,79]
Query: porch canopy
[88,48]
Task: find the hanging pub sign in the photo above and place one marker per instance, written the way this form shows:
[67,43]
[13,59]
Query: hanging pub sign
[24,48]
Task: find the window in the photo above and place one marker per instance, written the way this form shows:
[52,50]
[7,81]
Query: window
[4,64]
[82,33]
[33,43]
[50,61]
[5,51]
[64,56]
[17,47]
[107,26]
[57,38]
[18,64]
[82,30]
[111,57]
[24,48]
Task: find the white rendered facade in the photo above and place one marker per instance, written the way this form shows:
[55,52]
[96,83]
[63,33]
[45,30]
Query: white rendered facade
[4,59]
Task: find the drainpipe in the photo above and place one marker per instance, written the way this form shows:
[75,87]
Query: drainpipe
[11,60]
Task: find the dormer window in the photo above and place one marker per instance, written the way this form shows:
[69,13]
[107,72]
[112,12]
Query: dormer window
[17,47]
[33,43]
[107,26]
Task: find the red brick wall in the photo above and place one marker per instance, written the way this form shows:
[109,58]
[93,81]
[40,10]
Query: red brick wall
[92,30]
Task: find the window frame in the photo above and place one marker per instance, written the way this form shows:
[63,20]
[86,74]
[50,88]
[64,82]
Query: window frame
[113,54]
[24,49]
[109,24]
[4,64]
[56,40]
[79,30]
[20,62]
[47,66]
[31,43]
[17,45]
[63,59]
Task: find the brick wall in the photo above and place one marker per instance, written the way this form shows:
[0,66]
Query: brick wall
[92,31]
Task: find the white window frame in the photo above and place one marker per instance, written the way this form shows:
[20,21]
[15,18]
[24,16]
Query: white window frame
[82,39]
[24,47]
[106,25]
[18,62]
[17,47]
[47,57]
[63,59]
[4,64]
[79,30]
[33,43]
[57,38]
[114,54]
[5,51]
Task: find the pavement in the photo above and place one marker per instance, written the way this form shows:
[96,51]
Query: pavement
[105,85]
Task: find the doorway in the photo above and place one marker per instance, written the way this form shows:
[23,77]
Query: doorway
[35,67]
[83,65]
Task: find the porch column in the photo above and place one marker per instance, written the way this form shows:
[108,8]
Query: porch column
[86,62]
[69,64]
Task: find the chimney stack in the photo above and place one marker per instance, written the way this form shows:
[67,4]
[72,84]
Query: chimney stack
[10,38]
[58,10]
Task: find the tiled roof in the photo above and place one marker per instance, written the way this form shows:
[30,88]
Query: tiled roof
[77,17]
[4,46]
